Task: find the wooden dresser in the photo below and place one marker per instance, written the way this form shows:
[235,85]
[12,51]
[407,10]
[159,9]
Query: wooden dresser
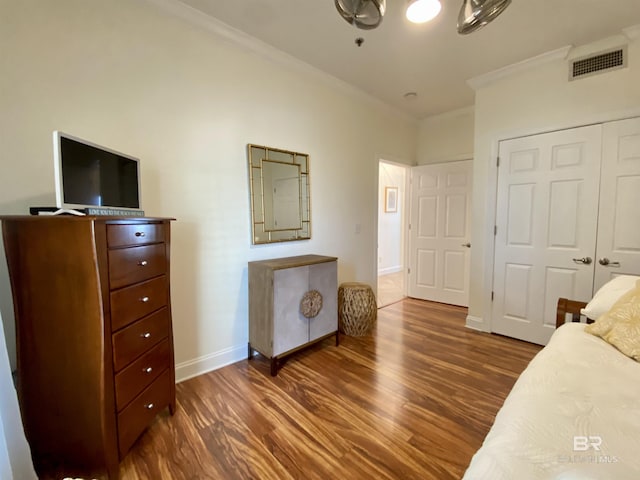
[277,288]
[93,336]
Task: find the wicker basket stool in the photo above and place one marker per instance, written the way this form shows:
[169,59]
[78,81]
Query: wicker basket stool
[357,309]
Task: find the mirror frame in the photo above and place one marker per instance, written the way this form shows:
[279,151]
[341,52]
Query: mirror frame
[260,235]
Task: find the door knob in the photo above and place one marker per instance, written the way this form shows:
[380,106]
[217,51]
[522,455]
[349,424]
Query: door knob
[585,260]
[468,245]
[606,262]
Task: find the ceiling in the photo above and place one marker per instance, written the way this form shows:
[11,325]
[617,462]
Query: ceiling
[431,59]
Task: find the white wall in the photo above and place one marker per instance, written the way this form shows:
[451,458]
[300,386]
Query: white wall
[532,101]
[447,137]
[128,75]
[391,225]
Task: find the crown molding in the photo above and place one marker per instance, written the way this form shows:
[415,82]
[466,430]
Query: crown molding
[250,44]
[533,62]
[459,157]
[631,33]
[598,47]
[227,32]
[458,112]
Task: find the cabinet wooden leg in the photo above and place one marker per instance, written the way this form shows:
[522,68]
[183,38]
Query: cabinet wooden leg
[274,366]
[250,351]
[337,338]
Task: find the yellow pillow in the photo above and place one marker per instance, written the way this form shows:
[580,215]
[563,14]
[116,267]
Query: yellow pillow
[620,326]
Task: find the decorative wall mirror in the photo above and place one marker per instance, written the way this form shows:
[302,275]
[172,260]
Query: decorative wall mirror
[280,195]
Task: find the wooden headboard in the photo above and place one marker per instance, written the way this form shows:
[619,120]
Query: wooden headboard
[569,306]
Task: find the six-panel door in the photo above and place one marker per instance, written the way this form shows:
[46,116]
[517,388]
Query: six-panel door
[439,235]
[546,219]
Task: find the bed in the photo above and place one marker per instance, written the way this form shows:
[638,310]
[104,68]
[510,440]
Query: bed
[574,413]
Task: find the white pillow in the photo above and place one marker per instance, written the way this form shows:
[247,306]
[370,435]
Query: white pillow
[609,294]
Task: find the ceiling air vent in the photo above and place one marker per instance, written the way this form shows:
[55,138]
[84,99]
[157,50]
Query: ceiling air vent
[601,62]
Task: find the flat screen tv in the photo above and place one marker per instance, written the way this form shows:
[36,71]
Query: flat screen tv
[88,175]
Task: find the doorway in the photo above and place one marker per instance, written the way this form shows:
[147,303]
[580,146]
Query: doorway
[392,212]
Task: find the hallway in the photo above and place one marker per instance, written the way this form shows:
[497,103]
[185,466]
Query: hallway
[390,288]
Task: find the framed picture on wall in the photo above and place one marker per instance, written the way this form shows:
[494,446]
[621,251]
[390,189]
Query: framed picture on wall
[390,199]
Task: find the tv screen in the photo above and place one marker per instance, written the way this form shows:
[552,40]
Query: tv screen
[88,175]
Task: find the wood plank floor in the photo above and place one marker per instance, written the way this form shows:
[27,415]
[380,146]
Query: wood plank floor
[412,401]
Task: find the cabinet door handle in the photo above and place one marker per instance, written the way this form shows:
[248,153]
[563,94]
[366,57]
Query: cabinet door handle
[140,234]
[147,370]
[146,335]
[149,406]
[143,263]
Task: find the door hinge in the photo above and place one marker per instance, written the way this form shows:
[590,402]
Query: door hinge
[492,296]
[497,161]
[408,271]
[495,230]
[409,226]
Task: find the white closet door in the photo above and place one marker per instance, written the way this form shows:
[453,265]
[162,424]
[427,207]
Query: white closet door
[619,217]
[439,236]
[546,223]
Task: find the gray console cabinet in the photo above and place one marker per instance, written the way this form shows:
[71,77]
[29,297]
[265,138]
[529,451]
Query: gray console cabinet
[277,327]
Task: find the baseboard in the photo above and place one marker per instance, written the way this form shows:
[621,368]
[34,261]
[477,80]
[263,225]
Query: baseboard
[476,323]
[207,363]
[389,270]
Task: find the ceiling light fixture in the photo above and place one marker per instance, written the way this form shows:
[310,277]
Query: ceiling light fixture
[475,14]
[364,14]
[421,11]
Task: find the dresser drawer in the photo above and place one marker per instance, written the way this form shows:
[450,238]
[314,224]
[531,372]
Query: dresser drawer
[132,341]
[125,235]
[132,303]
[139,374]
[134,419]
[134,264]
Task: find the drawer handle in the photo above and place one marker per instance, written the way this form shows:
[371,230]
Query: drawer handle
[140,234]
[144,299]
[143,263]
[147,370]
[149,406]
[146,335]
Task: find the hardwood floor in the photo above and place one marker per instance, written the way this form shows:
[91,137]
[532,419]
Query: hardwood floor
[412,401]
[390,288]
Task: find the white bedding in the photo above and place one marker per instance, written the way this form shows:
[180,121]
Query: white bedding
[577,386]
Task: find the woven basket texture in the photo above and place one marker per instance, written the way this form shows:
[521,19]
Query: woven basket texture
[311,304]
[357,309]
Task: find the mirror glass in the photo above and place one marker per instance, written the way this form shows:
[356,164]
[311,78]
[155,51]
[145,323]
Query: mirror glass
[280,195]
